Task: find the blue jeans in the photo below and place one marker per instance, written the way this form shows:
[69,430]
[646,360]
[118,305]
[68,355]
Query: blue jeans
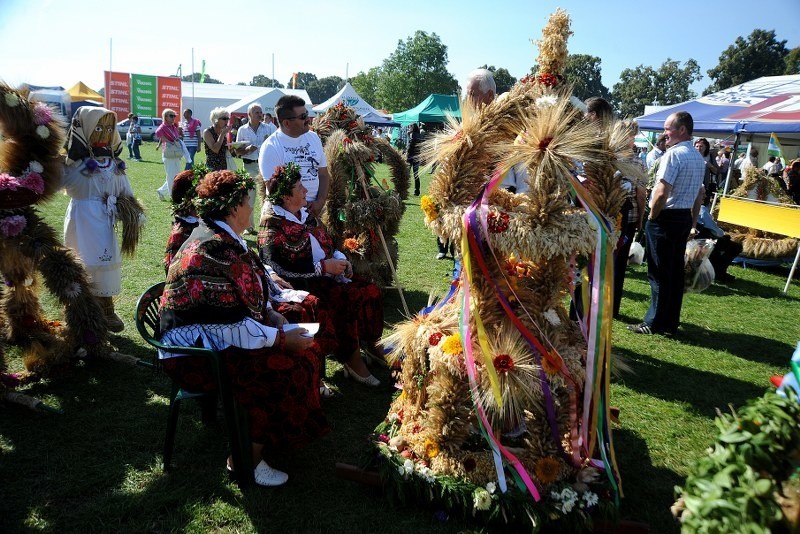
[192,151]
[666,245]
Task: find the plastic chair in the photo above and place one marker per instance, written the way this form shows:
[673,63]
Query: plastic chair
[148,324]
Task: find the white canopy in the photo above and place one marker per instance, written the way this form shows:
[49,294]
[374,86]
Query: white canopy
[349,97]
[268,97]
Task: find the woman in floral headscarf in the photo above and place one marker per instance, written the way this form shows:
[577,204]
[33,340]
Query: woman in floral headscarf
[101,195]
[216,294]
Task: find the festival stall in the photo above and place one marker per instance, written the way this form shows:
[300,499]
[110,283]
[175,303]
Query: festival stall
[435,108]
[83,95]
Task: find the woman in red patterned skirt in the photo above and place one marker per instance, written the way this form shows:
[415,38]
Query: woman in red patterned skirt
[217,296]
[299,249]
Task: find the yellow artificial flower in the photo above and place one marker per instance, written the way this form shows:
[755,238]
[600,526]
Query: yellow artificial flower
[429,207]
[452,344]
[431,448]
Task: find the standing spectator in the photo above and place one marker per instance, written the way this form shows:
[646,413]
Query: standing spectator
[674,206]
[269,122]
[294,142]
[632,213]
[711,170]
[190,129]
[657,151]
[791,176]
[129,137]
[215,139]
[170,137]
[412,154]
[135,137]
[254,134]
[748,162]
[481,87]
[724,163]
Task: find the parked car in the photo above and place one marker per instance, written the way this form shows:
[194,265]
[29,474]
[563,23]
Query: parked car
[148,125]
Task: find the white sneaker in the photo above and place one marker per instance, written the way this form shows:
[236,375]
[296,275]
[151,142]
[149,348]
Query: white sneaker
[267,476]
[441,256]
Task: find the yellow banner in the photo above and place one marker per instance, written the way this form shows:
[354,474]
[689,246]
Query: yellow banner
[781,219]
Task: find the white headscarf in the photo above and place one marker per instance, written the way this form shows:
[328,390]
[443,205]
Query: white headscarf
[80,131]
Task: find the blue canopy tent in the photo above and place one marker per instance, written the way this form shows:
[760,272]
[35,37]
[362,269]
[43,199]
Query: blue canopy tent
[435,108]
[753,109]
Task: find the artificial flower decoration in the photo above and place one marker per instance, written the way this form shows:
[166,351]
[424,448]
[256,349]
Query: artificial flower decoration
[431,448]
[429,207]
[497,222]
[503,363]
[435,338]
[452,344]
[547,469]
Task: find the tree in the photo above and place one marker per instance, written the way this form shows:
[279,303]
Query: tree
[760,55]
[417,68]
[792,61]
[366,84]
[196,78]
[644,85]
[264,81]
[502,78]
[303,80]
[322,89]
[583,72]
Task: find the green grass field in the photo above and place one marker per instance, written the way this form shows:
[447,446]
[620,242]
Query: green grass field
[98,468]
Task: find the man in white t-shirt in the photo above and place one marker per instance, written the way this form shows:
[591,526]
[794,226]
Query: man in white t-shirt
[294,142]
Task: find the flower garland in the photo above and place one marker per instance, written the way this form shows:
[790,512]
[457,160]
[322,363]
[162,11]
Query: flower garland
[282,181]
[199,170]
[233,198]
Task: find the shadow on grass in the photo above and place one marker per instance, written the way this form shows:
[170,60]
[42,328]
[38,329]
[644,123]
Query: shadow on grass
[704,391]
[648,489]
[747,346]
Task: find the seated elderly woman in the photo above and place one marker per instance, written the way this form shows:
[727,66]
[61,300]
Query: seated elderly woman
[186,220]
[216,296]
[299,249]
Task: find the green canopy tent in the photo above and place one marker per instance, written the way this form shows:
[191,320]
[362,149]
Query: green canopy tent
[435,108]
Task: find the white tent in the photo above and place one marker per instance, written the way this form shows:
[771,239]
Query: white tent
[201,98]
[267,97]
[349,97]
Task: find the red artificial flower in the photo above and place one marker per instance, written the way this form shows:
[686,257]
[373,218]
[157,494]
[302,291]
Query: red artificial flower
[544,143]
[548,79]
[435,338]
[503,363]
[497,222]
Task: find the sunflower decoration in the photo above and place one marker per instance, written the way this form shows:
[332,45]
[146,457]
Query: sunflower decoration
[360,205]
[547,470]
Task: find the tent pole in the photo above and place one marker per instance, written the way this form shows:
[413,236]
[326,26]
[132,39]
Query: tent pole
[792,270]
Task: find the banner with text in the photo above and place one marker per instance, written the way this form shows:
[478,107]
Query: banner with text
[118,93]
[144,95]
[169,94]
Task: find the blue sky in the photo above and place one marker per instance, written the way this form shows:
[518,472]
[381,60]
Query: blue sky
[55,42]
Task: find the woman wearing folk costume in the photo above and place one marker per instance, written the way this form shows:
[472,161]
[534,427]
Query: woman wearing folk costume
[296,306]
[186,220]
[216,294]
[101,195]
[300,250]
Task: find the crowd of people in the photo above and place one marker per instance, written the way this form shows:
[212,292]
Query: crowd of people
[248,304]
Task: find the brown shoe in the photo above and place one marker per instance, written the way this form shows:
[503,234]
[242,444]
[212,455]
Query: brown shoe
[113,322]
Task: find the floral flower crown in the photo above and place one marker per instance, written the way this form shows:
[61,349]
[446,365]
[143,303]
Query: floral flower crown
[199,170]
[226,202]
[282,180]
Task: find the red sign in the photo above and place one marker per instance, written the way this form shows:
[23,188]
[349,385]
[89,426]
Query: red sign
[169,94]
[118,93]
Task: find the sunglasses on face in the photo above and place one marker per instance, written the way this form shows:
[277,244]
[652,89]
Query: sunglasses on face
[222,118]
[171,115]
[302,117]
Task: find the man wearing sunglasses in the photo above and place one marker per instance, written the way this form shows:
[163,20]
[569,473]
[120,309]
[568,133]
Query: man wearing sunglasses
[295,143]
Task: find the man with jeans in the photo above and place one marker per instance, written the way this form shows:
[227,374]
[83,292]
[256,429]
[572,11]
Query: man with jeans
[674,206]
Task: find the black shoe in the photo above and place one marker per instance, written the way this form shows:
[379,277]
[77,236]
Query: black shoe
[416,193]
[641,328]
